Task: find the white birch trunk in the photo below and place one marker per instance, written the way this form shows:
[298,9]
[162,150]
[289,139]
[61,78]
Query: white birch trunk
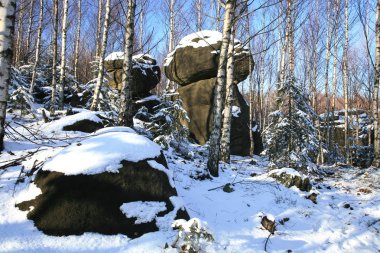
[77,40]
[99,82]
[29,31]
[55,56]
[345,84]
[7,17]
[225,140]
[126,103]
[219,91]
[20,32]
[38,46]
[99,28]
[375,107]
[63,55]
[169,83]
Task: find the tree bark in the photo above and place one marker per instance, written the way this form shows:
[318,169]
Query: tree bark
[169,83]
[99,82]
[225,153]
[29,32]
[219,90]
[20,32]
[55,56]
[126,106]
[99,28]
[375,107]
[77,40]
[38,46]
[345,84]
[7,17]
[63,55]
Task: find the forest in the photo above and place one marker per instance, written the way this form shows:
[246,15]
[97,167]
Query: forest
[189,126]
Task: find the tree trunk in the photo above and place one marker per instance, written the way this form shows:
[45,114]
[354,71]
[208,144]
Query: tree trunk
[7,17]
[169,83]
[315,52]
[99,28]
[327,101]
[38,46]
[375,107]
[99,82]
[126,106]
[142,14]
[77,40]
[225,153]
[63,55]
[199,15]
[29,32]
[55,56]
[345,84]
[219,90]
[20,32]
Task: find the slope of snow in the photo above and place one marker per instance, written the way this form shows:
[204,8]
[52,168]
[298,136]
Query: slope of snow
[102,153]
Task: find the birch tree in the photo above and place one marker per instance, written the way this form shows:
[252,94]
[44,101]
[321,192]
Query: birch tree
[7,17]
[227,112]
[77,39]
[99,81]
[55,56]
[63,55]
[219,90]
[99,28]
[375,107]
[38,46]
[29,31]
[126,103]
[171,36]
[345,84]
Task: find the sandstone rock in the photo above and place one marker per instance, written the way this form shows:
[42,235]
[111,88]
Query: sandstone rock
[197,100]
[290,177]
[92,200]
[197,56]
[146,74]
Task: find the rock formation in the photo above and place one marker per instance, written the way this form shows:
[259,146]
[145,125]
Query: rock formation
[146,73]
[193,65]
[124,188]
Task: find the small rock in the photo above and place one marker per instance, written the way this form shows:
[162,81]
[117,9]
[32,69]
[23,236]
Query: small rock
[346,205]
[228,188]
[313,197]
[253,162]
[268,224]
[253,174]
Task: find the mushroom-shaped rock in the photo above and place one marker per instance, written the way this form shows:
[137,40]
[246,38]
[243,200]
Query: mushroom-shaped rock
[197,100]
[146,73]
[115,182]
[197,57]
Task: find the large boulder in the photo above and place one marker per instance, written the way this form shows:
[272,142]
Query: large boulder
[146,73]
[197,56]
[116,182]
[290,177]
[197,100]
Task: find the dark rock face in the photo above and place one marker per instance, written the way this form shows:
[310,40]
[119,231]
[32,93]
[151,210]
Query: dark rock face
[85,125]
[75,204]
[146,74]
[191,64]
[197,100]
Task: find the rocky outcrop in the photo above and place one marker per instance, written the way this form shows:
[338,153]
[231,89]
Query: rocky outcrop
[290,177]
[197,56]
[146,73]
[107,201]
[193,64]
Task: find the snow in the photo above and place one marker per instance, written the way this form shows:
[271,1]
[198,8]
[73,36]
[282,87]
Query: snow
[149,98]
[289,171]
[232,218]
[102,153]
[143,211]
[236,111]
[114,129]
[115,56]
[160,167]
[58,125]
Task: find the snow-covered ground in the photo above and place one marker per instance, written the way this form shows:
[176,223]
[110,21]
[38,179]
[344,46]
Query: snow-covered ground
[346,217]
